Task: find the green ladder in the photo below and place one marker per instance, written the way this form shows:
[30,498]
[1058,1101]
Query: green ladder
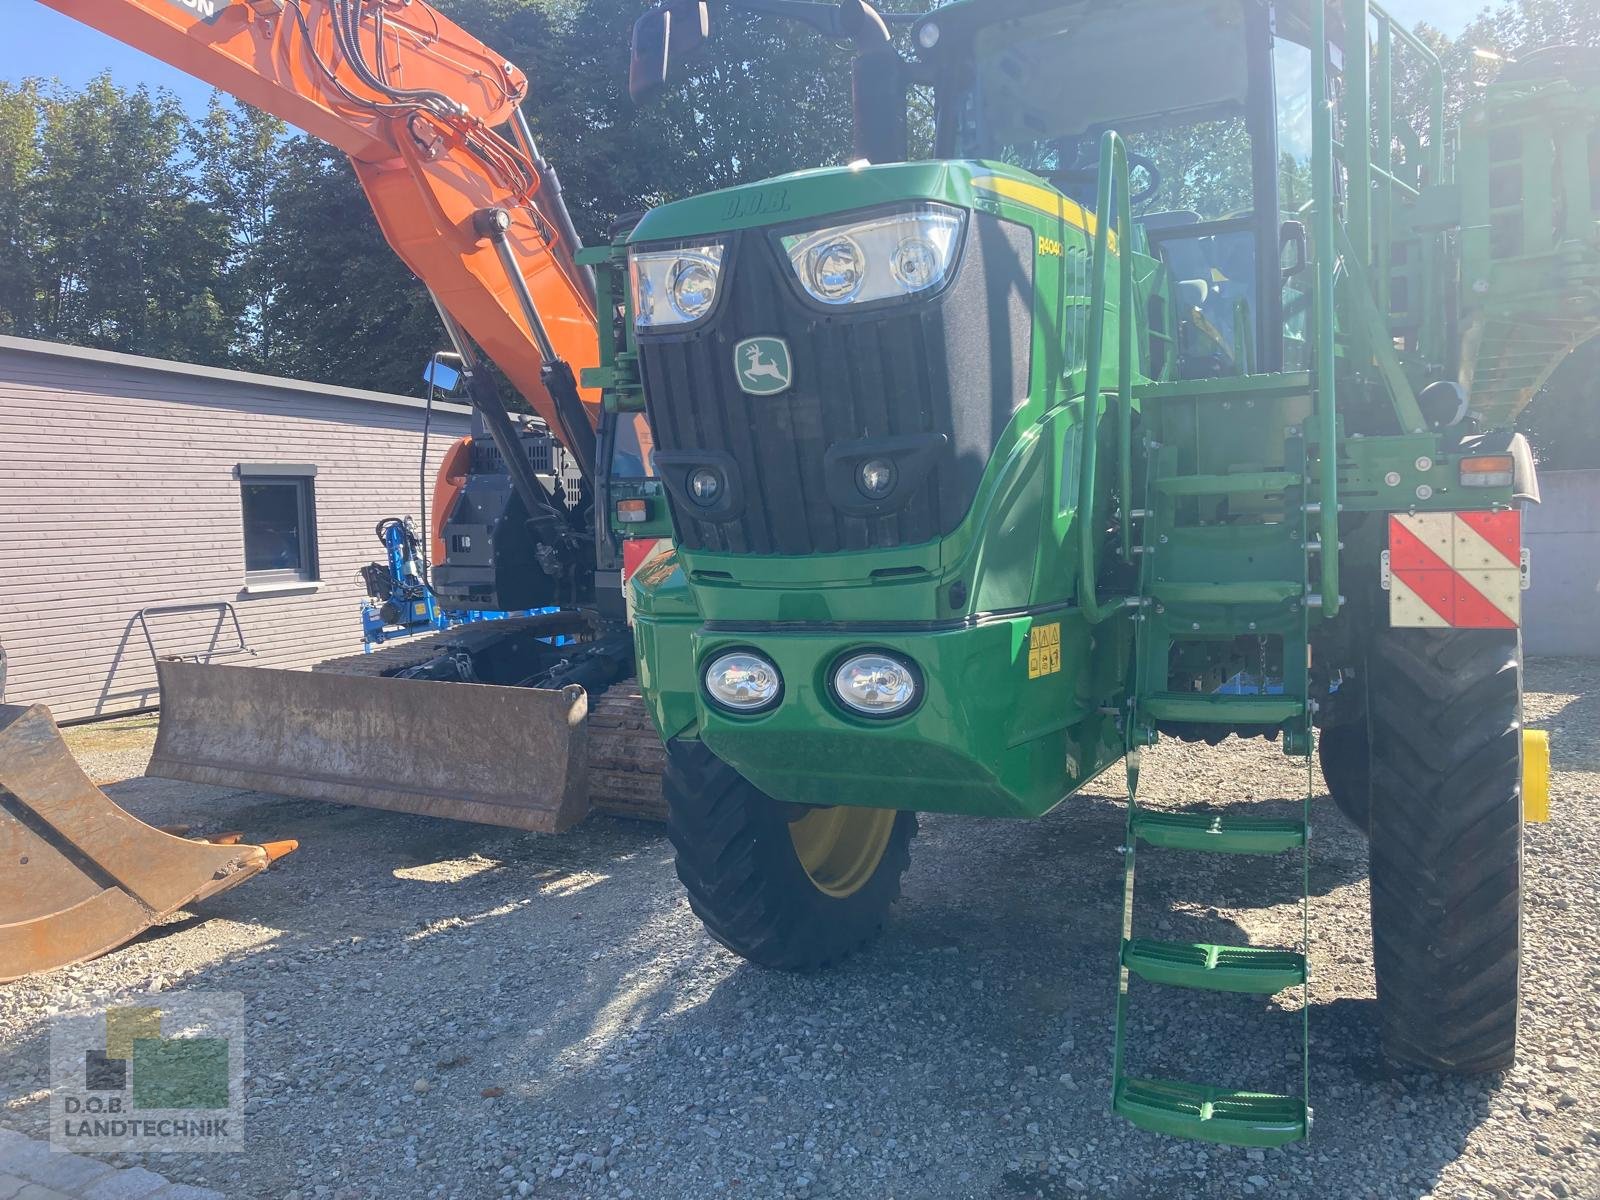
[1267,593]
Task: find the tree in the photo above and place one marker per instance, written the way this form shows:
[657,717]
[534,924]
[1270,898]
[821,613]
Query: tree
[19,154]
[106,245]
[236,152]
[764,97]
[341,307]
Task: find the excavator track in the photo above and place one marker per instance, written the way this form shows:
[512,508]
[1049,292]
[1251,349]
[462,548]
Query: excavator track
[626,756]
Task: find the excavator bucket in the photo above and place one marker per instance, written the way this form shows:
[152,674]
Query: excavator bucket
[469,751]
[78,875]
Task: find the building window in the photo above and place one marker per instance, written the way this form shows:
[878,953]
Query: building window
[279,504]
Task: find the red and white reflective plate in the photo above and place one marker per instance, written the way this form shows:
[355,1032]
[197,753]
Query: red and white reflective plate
[1458,570]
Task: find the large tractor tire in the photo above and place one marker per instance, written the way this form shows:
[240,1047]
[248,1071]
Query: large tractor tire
[1345,752]
[780,885]
[1446,844]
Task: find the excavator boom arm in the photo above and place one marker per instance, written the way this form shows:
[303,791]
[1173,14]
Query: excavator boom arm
[416,102]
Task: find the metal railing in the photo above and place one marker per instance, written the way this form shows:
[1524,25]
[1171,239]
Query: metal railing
[1325,361]
[221,607]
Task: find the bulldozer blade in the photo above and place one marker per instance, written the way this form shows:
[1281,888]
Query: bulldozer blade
[468,751]
[78,875]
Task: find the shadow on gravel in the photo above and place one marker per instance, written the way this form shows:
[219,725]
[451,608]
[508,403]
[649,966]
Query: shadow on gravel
[1563,706]
[434,1004]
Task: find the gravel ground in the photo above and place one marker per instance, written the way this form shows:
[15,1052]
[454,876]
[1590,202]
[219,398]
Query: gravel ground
[451,1010]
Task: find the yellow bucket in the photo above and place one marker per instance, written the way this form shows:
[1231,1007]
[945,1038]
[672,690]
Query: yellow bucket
[1535,775]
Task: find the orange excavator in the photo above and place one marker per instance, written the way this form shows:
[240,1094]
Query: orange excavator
[431,120]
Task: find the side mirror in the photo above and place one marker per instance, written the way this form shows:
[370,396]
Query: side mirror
[663,37]
[443,371]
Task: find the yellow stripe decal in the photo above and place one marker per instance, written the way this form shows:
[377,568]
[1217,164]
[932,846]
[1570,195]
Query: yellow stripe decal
[1046,200]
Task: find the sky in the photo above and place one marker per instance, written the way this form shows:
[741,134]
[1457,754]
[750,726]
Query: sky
[40,41]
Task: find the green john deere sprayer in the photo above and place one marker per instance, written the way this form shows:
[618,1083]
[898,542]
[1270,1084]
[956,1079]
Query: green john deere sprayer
[1171,395]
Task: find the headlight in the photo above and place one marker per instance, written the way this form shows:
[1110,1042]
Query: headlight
[674,287]
[833,269]
[705,485]
[743,682]
[898,254]
[875,684]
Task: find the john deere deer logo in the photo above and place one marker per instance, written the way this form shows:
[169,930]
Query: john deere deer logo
[762,365]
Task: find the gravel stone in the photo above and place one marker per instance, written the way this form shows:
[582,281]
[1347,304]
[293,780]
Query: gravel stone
[587,1039]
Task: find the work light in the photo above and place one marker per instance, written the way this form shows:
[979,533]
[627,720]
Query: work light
[875,684]
[742,681]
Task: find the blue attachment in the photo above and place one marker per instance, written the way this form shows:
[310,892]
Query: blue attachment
[400,602]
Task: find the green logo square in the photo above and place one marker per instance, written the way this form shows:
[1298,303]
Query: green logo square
[762,365]
[180,1073]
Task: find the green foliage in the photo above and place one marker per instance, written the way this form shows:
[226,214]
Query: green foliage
[236,170]
[225,239]
[106,243]
[19,156]
[339,306]
[766,97]
[128,226]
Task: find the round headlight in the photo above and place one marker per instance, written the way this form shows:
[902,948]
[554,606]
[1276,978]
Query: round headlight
[875,478]
[928,35]
[835,270]
[743,682]
[875,685]
[705,485]
[915,264]
[692,286]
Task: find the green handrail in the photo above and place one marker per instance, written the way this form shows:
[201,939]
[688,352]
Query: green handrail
[1322,222]
[1113,184]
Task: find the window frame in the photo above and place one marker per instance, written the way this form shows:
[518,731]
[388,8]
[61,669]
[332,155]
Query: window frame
[302,478]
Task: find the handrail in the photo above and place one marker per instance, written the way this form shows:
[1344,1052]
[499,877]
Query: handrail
[221,607]
[1435,71]
[1113,183]
[1323,219]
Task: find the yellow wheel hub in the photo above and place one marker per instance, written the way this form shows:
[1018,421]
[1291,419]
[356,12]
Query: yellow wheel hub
[841,847]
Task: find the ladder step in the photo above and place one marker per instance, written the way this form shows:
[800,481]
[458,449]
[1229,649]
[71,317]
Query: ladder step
[1217,832]
[1222,707]
[1258,969]
[1210,1114]
[1227,485]
[1249,591]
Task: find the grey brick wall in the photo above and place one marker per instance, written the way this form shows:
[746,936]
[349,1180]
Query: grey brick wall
[118,491]
[1561,608]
